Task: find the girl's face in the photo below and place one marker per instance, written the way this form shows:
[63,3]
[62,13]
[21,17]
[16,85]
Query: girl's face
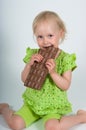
[47,34]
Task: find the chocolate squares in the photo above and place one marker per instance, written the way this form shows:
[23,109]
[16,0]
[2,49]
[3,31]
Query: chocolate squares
[38,71]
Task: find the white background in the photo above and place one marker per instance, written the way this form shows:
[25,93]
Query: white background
[16,35]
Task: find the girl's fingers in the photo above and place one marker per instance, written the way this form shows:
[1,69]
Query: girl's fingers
[37,58]
[50,64]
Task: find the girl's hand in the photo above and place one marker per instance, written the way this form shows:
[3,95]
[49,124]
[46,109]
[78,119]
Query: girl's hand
[35,57]
[50,64]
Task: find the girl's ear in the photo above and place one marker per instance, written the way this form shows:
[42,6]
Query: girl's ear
[61,35]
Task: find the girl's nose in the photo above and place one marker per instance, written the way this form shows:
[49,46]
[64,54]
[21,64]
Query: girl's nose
[45,41]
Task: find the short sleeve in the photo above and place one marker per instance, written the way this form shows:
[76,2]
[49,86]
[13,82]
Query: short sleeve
[29,53]
[69,62]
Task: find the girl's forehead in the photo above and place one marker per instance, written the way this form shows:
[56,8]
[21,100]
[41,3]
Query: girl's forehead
[45,28]
[47,24]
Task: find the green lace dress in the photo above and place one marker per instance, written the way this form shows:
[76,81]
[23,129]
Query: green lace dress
[50,99]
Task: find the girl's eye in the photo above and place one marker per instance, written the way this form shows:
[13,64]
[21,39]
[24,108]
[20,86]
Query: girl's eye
[50,35]
[40,36]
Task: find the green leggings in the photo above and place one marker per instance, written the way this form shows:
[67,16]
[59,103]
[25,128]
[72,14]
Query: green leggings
[29,116]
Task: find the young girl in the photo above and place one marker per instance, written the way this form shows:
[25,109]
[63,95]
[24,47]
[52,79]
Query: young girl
[51,102]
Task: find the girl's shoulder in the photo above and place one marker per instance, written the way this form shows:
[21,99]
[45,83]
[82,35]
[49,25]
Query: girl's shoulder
[31,50]
[66,60]
[65,55]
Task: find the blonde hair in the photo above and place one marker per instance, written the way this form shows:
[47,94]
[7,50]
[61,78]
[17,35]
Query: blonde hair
[47,15]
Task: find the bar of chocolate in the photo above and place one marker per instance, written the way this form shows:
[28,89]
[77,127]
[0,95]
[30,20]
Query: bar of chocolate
[38,71]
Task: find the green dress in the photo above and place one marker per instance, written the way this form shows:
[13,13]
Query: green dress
[50,99]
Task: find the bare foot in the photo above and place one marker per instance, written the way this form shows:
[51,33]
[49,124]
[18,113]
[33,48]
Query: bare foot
[83,114]
[3,106]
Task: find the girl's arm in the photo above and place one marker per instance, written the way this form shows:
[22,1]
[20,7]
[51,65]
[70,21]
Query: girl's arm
[35,57]
[25,72]
[62,81]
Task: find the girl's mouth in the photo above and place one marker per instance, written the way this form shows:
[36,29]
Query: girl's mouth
[44,47]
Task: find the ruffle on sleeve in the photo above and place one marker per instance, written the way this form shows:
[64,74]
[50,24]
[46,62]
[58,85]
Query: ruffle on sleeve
[69,62]
[29,53]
